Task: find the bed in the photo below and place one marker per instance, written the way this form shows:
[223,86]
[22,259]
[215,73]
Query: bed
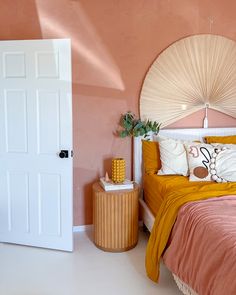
[194,73]
[161,187]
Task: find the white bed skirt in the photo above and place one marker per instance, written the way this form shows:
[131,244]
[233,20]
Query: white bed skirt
[184,288]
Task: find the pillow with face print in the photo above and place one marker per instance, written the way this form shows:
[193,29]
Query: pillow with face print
[199,161]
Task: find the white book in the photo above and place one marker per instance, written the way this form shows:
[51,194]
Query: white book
[111,186]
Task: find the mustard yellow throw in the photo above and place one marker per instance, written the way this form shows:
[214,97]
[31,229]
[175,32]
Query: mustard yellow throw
[167,214]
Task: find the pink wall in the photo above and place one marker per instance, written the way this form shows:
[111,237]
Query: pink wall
[114,43]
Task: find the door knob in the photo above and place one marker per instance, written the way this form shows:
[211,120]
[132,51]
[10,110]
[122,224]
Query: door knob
[64,154]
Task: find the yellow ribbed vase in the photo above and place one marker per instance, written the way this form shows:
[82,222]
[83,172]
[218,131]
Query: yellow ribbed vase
[118,170]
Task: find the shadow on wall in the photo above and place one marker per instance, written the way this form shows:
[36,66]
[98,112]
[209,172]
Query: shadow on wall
[83,202]
[88,200]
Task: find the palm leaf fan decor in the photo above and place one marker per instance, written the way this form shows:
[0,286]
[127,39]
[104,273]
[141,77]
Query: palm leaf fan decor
[193,73]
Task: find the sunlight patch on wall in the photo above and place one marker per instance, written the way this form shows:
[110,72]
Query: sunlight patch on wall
[98,67]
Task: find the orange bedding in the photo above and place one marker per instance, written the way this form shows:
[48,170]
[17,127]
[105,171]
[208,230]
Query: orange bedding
[157,186]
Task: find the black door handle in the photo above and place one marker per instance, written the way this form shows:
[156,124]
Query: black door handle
[64,154]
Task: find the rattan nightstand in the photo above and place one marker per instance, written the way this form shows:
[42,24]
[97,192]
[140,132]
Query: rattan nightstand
[115,218]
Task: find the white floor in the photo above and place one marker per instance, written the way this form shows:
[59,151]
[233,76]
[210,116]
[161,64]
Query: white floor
[32,271]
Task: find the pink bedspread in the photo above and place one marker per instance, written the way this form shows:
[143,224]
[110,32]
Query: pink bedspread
[202,246]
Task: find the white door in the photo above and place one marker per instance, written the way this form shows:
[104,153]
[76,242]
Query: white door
[35,125]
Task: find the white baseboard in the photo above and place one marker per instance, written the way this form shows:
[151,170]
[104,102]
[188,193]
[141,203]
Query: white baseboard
[82,228]
[88,227]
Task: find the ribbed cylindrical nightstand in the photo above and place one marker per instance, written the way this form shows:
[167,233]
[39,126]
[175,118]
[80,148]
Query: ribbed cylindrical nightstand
[115,218]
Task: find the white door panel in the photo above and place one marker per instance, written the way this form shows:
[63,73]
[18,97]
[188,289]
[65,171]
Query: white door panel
[35,124]
[18,198]
[15,121]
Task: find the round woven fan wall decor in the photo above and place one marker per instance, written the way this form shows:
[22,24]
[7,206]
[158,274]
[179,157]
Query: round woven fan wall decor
[192,73]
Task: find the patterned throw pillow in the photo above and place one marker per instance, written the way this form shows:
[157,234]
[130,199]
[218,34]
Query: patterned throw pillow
[199,161]
[223,164]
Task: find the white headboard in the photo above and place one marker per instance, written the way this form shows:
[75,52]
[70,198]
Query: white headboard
[186,134]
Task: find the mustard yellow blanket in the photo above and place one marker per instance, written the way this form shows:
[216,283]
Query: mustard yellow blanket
[167,214]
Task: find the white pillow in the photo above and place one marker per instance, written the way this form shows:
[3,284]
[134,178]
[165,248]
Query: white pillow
[199,160]
[173,157]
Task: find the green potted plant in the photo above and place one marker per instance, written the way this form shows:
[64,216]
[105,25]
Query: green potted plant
[136,127]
